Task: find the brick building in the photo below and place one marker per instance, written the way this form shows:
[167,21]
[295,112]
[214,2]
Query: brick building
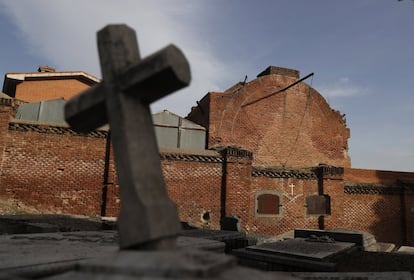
[281,125]
[275,159]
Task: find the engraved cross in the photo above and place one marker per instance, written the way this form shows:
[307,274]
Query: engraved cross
[292,187]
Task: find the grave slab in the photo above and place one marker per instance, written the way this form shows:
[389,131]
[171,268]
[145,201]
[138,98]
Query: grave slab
[406,250]
[300,247]
[293,255]
[361,238]
[394,275]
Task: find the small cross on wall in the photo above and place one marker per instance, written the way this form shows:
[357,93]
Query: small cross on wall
[292,186]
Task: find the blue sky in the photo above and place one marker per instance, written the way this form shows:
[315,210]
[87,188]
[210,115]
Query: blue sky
[361,52]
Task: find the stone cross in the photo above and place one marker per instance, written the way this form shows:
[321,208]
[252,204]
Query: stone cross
[148,219]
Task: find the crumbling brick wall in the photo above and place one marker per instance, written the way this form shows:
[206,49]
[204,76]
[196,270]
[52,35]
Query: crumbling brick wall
[292,128]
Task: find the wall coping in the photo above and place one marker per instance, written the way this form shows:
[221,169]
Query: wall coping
[5,101]
[27,126]
[207,156]
[275,172]
[374,188]
[234,151]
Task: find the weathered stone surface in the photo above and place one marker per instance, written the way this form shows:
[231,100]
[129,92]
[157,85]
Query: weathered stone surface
[231,239]
[302,248]
[148,219]
[361,238]
[49,253]
[165,265]
[41,253]
[25,224]
[400,275]
[294,255]
[185,242]
[406,250]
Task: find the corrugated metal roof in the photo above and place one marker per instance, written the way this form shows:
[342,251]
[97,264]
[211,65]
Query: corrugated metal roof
[171,130]
[176,132]
[50,111]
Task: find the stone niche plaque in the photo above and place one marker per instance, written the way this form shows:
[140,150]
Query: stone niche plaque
[318,205]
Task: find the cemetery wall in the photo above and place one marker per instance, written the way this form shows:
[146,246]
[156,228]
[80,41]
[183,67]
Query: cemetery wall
[292,189]
[7,109]
[194,183]
[52,169]
[56,170]
[375,176]
[379,214]
[385,198]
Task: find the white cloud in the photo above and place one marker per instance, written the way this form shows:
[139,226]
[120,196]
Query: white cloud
[63,32]
[343,87]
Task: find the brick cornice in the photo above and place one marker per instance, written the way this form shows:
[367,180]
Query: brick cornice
[190,157]
[284,173]
[235,152]
[11,102]
[53,129]
[372,188]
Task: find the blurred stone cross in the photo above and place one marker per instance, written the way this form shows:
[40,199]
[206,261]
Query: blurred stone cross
[148,219]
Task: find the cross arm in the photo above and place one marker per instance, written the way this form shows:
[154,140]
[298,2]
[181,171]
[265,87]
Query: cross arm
[87,111]
[157,75]
[151,79]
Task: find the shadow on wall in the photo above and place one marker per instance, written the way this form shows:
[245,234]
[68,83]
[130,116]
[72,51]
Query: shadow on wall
[389,222]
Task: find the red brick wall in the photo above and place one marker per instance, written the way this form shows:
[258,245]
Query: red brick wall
[237,172]
[293,211]
[40,90]
[6,111]
[408,204]
[390,216]
[380,215]
[52,170]
[111,202]
[194,184]
[375,176]
[293,128]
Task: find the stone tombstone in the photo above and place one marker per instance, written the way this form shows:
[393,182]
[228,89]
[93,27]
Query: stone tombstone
[148,219]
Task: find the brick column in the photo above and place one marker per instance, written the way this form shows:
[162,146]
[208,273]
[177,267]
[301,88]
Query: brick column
[7,111]
[408,218]
[330,186]
[237,173]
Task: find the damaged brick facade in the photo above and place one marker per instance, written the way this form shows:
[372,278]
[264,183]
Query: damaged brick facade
[54,169]
[282,126]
